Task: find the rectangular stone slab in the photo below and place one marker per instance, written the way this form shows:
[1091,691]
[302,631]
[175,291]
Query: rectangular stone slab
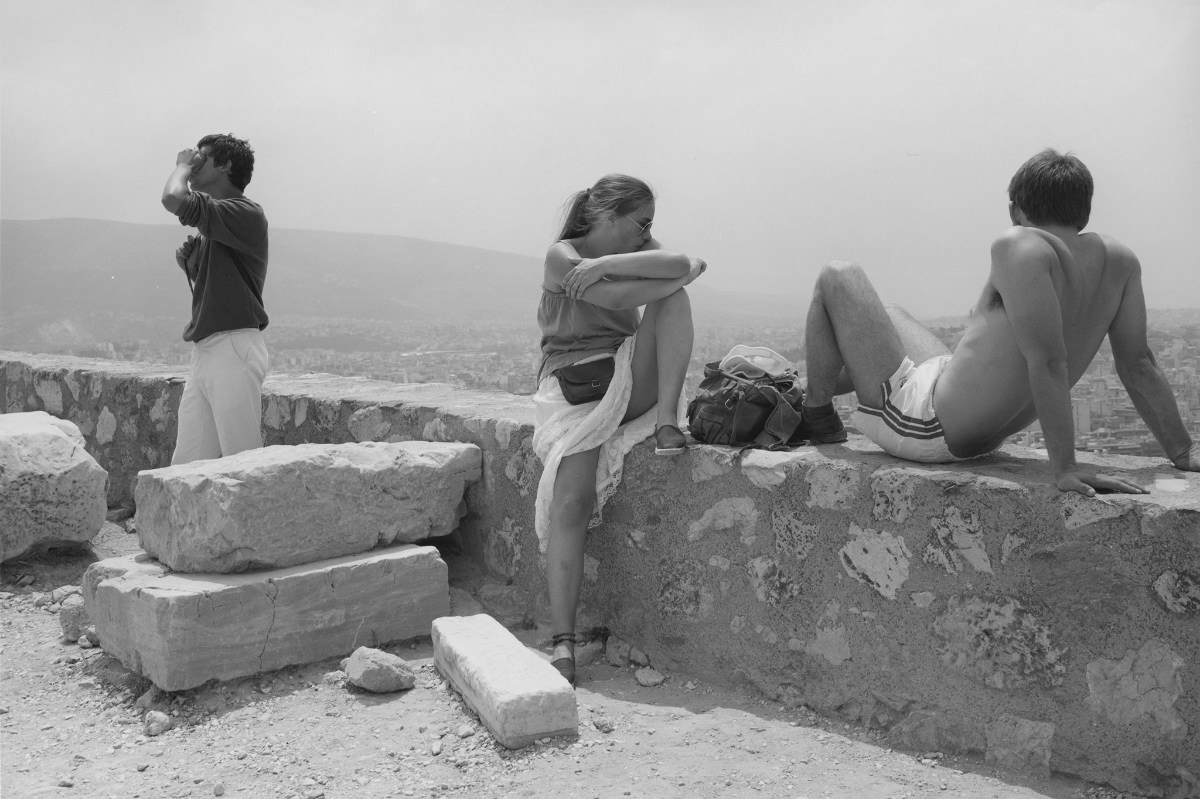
[519,696]
[181,630]
[286,505]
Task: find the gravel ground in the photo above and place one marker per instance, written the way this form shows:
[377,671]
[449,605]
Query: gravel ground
[75,723]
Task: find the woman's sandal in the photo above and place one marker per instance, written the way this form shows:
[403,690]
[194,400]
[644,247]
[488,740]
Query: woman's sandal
[565,666]
[668,440]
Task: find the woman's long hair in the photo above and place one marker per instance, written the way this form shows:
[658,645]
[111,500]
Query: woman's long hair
[612,195]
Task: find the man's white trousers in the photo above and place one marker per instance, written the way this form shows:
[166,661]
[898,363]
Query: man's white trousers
[221,410]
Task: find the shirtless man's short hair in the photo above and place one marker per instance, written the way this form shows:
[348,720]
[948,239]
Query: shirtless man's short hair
[1051,297]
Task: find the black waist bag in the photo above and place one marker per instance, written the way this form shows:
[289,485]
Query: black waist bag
[585,382]
[737,411]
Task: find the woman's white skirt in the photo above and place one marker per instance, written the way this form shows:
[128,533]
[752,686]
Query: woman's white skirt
[562,429]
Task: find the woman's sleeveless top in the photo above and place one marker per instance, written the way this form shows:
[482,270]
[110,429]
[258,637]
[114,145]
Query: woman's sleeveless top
[575,329]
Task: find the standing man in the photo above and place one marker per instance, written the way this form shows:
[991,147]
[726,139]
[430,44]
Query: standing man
[226,266]
[1051,297]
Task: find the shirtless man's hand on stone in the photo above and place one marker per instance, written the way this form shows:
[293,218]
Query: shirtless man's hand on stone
[1087,481]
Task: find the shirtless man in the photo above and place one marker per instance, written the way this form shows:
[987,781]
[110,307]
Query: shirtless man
[1051,297]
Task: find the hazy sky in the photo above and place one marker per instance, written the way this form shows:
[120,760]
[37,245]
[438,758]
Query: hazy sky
[778,135]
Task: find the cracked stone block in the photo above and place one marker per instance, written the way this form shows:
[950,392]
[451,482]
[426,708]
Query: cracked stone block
[518,695]
[285,505]
[933,730]
[832,485]
[877,559]
[894,494]
[793,538]
[181,630]
[767,469]
[502,548]
[770,583]
[711,461]
[53,491]
[1020,745]
[683,591]
[727,514]
[73,618]
[830,641]
[1143,685]
[368,424]
[960,537]
[1179,592]
[1000,642]
[1080,511]
[523,468]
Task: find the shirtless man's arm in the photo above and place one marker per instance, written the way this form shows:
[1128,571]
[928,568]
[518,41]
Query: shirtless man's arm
[1139,373]
[1022,265]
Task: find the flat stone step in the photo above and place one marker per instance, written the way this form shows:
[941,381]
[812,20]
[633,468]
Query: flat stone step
[286,505]
[519,696]
[181,630]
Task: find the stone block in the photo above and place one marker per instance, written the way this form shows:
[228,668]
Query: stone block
[1020,744]
[379,672]
[181,630]
[73,618]
[286,505]
[54,491]
[519,696]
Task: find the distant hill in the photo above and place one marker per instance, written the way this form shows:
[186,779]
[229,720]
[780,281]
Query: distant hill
[69,281]
[58,275]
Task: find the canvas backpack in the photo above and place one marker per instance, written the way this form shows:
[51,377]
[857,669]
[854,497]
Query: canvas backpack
[751,398]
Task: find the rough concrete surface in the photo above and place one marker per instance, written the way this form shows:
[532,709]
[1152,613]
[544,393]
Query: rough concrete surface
[74,722]
[929,603]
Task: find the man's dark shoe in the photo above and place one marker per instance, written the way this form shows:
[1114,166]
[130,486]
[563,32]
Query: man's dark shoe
[823,424]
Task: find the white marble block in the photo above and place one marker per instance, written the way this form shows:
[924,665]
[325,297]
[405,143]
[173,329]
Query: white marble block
[51,490]
[284,505]
[181,630]
[519,696]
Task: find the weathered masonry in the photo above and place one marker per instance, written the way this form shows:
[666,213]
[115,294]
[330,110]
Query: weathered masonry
[965,607]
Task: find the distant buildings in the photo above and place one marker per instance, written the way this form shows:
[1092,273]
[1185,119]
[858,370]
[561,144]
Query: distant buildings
[505,357]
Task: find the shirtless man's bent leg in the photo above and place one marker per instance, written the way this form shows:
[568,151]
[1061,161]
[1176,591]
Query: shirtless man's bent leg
[855,343]
[850,343]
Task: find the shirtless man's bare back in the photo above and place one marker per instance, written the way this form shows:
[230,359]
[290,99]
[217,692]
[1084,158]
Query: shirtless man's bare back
[1051,297]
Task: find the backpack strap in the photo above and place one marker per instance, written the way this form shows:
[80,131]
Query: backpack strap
[780,425]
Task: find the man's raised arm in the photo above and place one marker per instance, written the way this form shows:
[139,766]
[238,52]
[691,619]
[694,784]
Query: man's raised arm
[1143,379]
[176,190]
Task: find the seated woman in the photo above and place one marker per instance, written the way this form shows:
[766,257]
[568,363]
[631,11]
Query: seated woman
[604,266]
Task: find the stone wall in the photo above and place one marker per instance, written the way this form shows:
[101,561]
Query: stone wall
[963,608]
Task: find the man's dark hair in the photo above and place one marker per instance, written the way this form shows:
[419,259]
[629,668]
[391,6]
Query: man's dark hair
[1052,188]
[225,148]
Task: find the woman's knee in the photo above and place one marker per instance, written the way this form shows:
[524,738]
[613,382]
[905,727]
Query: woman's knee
[575,502]
[677,303]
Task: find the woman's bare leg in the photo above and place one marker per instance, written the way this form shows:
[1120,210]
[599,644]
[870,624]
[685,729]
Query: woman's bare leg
[661,358]
[570,511]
